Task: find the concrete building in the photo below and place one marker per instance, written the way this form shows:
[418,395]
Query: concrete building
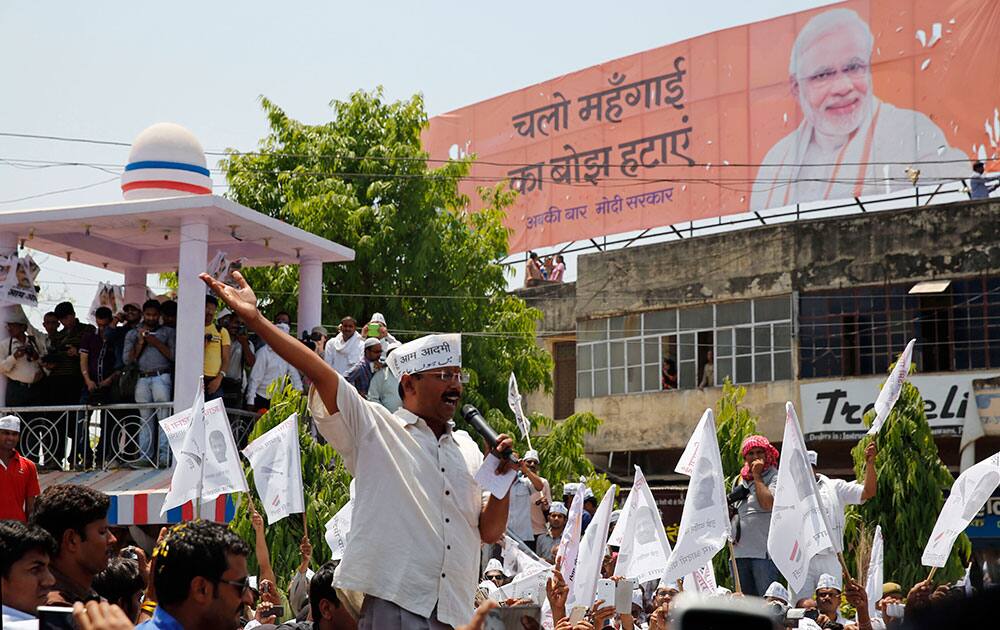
[812,311]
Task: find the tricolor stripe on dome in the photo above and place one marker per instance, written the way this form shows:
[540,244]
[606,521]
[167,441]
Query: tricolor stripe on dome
[159,174]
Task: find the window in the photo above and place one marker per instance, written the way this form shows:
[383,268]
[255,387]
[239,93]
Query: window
[747,341]
[861,331]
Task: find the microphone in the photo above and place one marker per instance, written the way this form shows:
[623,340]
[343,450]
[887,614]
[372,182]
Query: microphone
[478,422]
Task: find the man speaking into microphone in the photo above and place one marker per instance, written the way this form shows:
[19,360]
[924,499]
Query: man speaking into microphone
[418,517]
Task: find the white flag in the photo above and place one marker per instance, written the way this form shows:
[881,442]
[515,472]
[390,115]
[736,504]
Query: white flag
[875,575]
[704,525]
[569,543]
[277,470]
[518,559]
[338,530]
[514,400]
[530,585]
[206,462]
[223,471]
[798,525]
[591,556]
[968,495]
[186,434]
[889,393]
[702,580]
[644,548]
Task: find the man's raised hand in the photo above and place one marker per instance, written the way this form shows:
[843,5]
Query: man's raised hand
[240,299]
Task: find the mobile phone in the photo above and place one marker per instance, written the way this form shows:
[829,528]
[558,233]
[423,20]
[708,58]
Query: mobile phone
[623,596]
[605,592]
[514,618]
[373,329]
[55,618]
[277,611]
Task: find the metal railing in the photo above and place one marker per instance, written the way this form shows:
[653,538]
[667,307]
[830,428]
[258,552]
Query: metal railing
[84,437]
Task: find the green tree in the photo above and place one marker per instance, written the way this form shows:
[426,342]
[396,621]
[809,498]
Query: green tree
[733,424]
[911,481]
[421,259]
[326,483]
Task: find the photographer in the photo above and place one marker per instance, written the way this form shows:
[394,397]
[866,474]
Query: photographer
[151,346]
[241,360]
[752,498]
[20,356]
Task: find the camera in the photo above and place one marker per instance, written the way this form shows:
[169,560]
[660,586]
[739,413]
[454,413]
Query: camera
[740,493]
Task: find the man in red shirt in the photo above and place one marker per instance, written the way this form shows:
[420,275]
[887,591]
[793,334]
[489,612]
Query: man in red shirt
[18,475]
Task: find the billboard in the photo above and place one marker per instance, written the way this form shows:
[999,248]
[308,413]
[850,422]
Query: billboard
[830,103]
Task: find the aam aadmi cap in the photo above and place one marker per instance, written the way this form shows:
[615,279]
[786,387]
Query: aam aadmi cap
[570,489]
[426,353]
[559,508]
[531,455]
[829,581]
[777,591]
[10,423]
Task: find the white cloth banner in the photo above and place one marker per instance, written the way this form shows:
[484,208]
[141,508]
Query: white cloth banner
[704,526]
[277,470]
[514,401]
[889,393]
[798,525]
[644,548]
[518,560]
[17,280]
[206,463]
[591,555]
[702,580]
[876,573]
[968,495]
[569,543]
[338,530]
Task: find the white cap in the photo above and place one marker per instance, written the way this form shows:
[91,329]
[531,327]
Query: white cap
[426,353]
[589,494]
[829,581]
[531,455]
[570,488]
[493,565]
[371,342]
[615,514]
[777,591]
[283,327]
[378,317]
[10,423]
[812,455]
[559,508]
[722,591]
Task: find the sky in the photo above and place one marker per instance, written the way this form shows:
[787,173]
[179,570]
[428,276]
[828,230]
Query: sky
[108,70]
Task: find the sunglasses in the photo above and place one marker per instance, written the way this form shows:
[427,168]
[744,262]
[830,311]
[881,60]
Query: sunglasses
[241,585]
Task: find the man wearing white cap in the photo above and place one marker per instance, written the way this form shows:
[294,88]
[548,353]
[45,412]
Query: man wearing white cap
[526,495]
[546,543]
[384,386]
[18,475]
[835,495]
[828,589]
[361,374]
[776,593]
[414,474]
[540,504]
[494,572]
[378,329]
[20,362]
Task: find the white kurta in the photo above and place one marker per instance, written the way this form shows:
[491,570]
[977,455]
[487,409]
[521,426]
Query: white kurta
[415,525]
[343,355]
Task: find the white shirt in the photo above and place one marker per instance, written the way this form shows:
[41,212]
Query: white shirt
[343,355]
[415,525]
[267,368]
[836,494]
[14,619]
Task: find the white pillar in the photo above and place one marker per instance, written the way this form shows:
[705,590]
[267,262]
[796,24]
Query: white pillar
[310,294]
[135,285]
[189,357]
[8,246]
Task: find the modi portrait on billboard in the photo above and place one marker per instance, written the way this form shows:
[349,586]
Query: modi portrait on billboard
[849,143]
[850,100]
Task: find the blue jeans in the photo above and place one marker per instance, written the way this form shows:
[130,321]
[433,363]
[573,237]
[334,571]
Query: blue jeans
[756,574]
[149,389]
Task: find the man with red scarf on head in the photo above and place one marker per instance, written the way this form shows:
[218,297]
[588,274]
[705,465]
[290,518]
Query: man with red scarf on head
[753,496]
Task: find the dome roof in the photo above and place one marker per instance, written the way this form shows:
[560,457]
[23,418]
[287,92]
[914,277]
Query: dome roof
[166,160]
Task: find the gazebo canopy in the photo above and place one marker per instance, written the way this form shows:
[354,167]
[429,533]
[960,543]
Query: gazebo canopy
[146,234]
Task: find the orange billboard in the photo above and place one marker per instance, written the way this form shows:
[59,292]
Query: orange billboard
[846,100]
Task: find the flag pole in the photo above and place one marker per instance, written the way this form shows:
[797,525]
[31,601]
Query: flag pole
[305,526]
[732,566]
[933,570]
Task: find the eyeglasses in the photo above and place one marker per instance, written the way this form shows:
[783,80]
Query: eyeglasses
[241,585]
[826,76]
[447,377]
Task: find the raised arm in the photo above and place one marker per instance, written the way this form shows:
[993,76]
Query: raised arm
[242,301]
